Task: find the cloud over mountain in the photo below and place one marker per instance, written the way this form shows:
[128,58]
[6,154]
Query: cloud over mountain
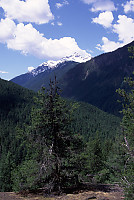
[108,45]
[124,28]
[28,40]
[124,32]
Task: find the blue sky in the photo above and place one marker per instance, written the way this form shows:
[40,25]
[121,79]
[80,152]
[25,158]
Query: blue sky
[34,31]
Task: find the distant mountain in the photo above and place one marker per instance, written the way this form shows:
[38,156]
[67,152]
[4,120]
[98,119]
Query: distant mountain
[41,75]
[51,64]
[94,81]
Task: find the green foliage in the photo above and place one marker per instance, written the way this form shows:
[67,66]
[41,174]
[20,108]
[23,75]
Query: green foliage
[128,179]
[131,50]
[95,155]
[15,104]
[25,176]
[24,141]
[6,166]
[128,136]
[48,149]
[88,120]
[51,130]
[115,161]
[128,114]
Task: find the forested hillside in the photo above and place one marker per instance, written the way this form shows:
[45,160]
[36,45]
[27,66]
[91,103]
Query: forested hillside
[13,100]
[15,106]
[15,121]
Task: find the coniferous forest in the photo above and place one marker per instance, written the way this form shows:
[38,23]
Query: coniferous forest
[55,144]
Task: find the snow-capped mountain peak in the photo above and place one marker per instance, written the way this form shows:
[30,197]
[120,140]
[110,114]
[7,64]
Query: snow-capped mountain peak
[76,57]
[51,64]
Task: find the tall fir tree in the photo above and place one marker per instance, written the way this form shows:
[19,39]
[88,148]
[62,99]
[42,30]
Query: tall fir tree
[58,148]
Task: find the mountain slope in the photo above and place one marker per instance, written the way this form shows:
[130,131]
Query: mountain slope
[43,79]
[14,101]
[96,81]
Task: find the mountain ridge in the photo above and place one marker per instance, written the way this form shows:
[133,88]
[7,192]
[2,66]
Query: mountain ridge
[98,79]
[48,67]
[94,81]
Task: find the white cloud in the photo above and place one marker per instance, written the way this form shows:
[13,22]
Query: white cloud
[59,23]
[59,5]
[100,5]
[129,6]
[7,27]
[30,69]
[105,19]
[124,28]
[28,40]
[108,45]
[89,1]
[52,24]
[2,72]
[125,31]
[37,11]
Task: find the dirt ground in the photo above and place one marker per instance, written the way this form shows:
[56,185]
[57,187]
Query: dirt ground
[104,193]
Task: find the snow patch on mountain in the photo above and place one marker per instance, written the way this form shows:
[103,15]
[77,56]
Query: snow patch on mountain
[30,69]
[51,64]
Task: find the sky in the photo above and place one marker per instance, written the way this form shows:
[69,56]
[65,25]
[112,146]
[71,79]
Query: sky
[34,31]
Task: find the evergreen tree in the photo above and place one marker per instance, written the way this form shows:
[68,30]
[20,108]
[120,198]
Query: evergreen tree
[95,155]
[128,136]
[58,148]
